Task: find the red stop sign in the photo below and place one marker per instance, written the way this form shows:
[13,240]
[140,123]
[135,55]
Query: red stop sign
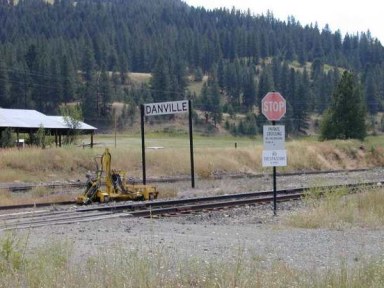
[273,106]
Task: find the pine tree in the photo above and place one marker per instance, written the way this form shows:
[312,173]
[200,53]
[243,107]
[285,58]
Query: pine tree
[19,91]
[211,99]
[179,83]
[4,86]
[67,80]
[132,35]
[301,112]
[89,101]
[88,63]
[371,92]
[216,109]
[266,83]
[233,81]
[161,82]
[105,93]
[249,91]
[345,119]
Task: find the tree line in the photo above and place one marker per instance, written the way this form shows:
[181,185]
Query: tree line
[81,51]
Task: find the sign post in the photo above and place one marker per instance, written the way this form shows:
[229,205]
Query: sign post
[164,108]
[273,107]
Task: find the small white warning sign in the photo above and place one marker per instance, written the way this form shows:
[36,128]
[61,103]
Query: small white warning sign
[274,137]
[274,158]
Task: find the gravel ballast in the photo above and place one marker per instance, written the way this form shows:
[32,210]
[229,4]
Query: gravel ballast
[218,235]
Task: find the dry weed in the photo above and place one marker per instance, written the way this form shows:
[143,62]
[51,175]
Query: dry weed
[71,163]
[337,209]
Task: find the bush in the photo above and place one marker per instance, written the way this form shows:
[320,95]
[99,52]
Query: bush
[7,139]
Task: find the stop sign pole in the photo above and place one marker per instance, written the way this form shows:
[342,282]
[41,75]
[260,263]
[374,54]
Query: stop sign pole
[273,107]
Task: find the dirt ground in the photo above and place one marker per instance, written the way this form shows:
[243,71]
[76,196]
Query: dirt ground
[253,230]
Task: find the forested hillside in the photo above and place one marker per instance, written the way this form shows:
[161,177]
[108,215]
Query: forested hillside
[81,52]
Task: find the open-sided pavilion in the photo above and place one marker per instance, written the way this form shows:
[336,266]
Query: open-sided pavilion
[30,121]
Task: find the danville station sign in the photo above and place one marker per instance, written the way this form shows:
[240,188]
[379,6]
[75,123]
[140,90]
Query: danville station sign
[164,108]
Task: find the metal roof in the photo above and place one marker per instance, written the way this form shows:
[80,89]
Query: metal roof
[32,119]
[61,121]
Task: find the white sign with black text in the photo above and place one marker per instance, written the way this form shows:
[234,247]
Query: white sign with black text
[274,153]
[163,108]
[274,137]
[274,158]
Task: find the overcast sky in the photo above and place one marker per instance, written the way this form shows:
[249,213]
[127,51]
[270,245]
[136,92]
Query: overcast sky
[347,16]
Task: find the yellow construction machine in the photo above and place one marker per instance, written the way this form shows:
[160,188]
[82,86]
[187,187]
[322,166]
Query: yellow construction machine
[110,185]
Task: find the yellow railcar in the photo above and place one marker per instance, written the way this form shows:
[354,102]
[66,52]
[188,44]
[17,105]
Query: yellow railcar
[110,185]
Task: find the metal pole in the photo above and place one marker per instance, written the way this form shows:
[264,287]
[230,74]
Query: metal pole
[274,184]
[143,143]
[191,144]
[115,131]
[274,190]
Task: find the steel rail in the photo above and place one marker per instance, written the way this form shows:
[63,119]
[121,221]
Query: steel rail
[60,218]
[35,205]
[79,184]
[210,206]
[57,220]
[183,201]
[161,203]
[173,202]
[156,208]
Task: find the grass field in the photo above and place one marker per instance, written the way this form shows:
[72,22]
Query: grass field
[168,155]
[180,141]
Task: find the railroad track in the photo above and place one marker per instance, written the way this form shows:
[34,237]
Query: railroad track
[45,217]
[57,187]
[80,184]
[40,218]
[61,216]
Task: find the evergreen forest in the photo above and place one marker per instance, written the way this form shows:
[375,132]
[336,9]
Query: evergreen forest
[65,51]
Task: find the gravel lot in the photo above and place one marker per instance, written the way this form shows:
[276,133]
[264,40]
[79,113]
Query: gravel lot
[253,230]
